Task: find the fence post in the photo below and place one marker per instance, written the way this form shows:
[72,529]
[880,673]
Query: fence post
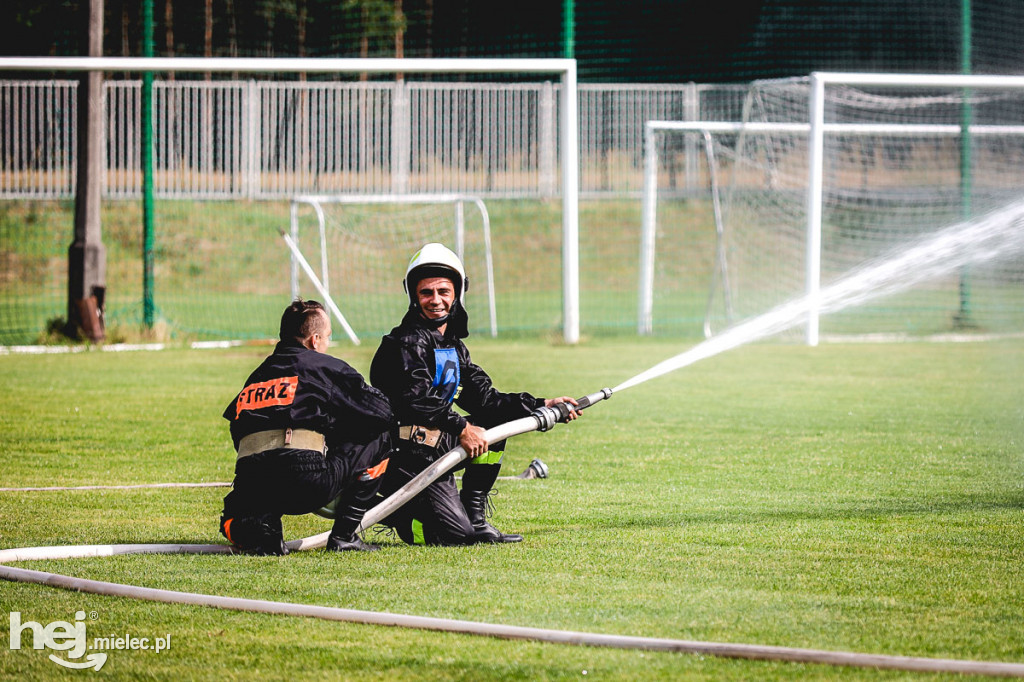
[691,109]
[547,182]
[250,157]
[400,138]
[87,257]
[148,308]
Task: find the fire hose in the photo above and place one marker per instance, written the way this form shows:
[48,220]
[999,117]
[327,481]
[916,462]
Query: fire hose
[541,419]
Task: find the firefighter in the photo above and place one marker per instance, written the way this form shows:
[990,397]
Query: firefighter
[425,369]
[307,429]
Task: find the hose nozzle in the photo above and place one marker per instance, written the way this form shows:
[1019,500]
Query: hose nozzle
[588,400]
[547,417]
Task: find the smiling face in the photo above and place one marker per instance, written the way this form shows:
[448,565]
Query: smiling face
[435,296]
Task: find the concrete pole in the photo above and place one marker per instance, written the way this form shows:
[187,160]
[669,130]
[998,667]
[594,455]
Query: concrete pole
[87,257]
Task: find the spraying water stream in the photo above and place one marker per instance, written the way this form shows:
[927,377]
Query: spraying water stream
[999,234]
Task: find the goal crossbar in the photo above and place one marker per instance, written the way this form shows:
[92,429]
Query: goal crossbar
[853,129]
[287,64]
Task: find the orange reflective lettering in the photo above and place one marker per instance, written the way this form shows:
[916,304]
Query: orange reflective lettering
[267,394]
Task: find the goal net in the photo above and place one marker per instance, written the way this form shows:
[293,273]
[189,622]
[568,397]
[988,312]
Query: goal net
[806,195]
[352,250]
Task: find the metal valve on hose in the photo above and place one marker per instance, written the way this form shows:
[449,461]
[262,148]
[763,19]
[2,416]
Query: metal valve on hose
[547,417]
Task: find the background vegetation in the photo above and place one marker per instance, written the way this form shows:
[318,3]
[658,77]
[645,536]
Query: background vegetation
[655,41]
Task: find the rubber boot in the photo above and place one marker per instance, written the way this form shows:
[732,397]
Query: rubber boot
[257,535]
[345,539]
[477,481]
[356,500]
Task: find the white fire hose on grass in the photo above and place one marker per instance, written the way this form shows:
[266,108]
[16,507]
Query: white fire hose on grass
[542,420]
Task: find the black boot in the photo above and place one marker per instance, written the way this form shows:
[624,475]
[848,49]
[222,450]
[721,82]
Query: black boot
[258,535]
[344,537]
[355,500]
[353,543]
[477,481]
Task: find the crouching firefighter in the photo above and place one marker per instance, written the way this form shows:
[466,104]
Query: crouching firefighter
[424,369]
[308,430]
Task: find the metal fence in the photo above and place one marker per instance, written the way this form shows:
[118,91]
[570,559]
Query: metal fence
[261,140]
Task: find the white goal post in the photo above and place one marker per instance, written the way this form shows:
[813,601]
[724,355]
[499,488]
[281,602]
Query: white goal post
[328,240]
[816,131]
[564,69]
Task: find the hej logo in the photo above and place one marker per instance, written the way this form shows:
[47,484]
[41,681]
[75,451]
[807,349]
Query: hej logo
[59,636]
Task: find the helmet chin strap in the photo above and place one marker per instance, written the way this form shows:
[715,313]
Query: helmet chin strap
[427,321]
[435,323]
[456,319]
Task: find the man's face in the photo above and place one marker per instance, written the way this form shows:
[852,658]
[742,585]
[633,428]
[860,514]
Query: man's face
[436,296]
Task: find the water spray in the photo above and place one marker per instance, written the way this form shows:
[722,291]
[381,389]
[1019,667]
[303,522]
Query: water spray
[991,237]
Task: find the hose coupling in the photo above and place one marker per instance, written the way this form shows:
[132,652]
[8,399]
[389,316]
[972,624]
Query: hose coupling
[546,418]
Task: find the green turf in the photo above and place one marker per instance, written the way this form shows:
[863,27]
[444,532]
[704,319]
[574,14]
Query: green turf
[848,497]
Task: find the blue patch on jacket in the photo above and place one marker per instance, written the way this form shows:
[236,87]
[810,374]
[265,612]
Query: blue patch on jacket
[446,372]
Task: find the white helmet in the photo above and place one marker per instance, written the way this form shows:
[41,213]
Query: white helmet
[435,260]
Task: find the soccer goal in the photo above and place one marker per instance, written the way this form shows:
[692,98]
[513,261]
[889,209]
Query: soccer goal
[225,168]
[824,175]
[361,243]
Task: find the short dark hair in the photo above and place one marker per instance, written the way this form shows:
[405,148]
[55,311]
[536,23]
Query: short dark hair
[302,319]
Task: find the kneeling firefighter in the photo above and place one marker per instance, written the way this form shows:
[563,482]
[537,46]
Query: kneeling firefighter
[308,430]
[424,369]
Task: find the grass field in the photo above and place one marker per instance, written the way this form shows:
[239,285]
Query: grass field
[848,497]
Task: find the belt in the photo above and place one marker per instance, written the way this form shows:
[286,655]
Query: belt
[294,439]
[420,434]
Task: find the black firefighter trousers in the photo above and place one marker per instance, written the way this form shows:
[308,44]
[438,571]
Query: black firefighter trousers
[283,481]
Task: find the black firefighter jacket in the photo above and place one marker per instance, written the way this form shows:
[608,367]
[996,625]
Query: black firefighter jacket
[423,373]
[300,388]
